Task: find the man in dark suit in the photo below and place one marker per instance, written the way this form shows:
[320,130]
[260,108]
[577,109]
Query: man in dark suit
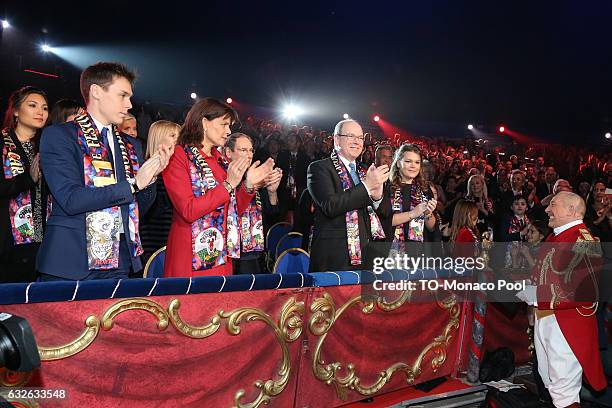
[345,199]
[98,182]
[545,188]
[294,163]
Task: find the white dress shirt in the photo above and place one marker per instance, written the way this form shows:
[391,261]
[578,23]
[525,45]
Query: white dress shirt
[565,227]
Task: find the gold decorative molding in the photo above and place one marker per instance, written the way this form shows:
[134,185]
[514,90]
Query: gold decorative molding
[324,315]
[286,331]
[135,304]
[194,332]
[92,328]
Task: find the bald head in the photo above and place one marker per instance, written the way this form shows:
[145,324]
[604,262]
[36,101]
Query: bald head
[572,201]
[564,208]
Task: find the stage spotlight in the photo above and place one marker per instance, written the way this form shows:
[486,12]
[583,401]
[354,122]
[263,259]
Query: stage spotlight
[229,100]
[502,129]
[376,118]
[5,24]
[292,111]
[608,135]
[346,116]
[193,95]
[470,127]
[46,48]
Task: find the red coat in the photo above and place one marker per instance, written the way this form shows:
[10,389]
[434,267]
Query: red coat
[565,276]
[463,246]
[188,208]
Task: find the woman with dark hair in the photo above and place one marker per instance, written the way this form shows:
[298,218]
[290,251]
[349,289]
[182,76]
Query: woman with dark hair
[65,110]
[412,201]
[598,215]
[23,194]
[207,193]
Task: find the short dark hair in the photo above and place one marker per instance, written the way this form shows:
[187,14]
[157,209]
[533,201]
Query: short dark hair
[62,109]
[192,131]
[230,143]
[15,101]
[103,74]
[519,197]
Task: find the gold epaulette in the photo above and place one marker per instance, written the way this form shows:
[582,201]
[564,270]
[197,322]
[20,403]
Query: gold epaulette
[587,245]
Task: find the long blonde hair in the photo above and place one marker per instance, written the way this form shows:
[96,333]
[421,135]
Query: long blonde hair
[462,217]
[157,131]
[485,193]
[394,173]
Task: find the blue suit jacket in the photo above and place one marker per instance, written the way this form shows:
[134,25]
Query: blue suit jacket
[63,251]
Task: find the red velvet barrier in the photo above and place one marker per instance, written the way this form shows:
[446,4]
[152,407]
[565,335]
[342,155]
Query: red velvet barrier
[374,342]
[136,364]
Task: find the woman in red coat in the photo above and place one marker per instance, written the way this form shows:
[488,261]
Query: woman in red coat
[463,229]
[207,194]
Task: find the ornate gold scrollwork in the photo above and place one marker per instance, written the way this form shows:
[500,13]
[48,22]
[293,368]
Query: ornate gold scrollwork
[286,331]
[195,332]
[135,304]
[324,315]
[92,328]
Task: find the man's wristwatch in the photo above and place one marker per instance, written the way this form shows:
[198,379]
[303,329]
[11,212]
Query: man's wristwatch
[133,185]
[228,187]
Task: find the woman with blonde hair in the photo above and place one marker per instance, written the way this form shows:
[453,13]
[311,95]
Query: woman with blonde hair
[162,132]
[478,193]
[155,225]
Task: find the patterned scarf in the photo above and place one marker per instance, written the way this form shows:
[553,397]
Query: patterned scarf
[103,226]
[214,236]
[20,207]
[517,225]
[251,232]
[352,217]
[417,225]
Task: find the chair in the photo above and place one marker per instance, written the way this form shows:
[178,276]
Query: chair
[290,240]
[155,265]
[275,233]
[293,260]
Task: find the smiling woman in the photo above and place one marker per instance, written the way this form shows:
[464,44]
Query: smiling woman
[206,193]
[23,193]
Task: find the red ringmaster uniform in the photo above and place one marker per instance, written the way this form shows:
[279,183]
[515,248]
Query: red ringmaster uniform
[188,208]
[566,276]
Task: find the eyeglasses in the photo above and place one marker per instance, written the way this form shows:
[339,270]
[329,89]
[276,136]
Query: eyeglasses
[245,150]
[360,138]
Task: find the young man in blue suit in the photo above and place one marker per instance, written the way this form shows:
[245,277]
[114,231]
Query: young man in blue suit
[99,184]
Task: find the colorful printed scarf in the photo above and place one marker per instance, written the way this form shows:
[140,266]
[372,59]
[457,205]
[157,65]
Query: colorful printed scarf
[20,207]
[212,241]
[103,226]
[352,217]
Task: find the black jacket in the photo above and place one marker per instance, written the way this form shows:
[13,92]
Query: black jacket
[329,251]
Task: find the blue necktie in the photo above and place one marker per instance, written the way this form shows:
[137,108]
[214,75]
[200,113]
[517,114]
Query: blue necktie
[104,136]
[354,175]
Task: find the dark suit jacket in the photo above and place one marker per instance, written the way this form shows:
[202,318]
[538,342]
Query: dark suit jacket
[300,168]
[329,251]
[62,164]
